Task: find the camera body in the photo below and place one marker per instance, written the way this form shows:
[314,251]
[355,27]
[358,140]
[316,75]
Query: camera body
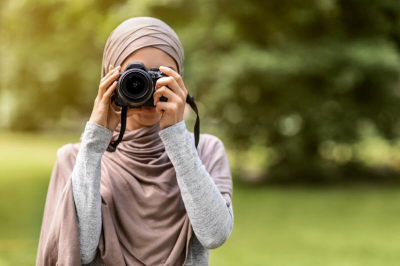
[135,86]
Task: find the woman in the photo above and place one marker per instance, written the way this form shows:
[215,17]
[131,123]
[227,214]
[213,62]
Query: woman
[156,200]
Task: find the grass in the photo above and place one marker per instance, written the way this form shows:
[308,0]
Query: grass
[273,226]
[345,227]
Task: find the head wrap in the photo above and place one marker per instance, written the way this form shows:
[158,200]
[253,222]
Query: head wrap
[144,220]
[136,33]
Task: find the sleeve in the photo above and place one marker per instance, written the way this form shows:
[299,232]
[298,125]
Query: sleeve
[86,188]
[210,213]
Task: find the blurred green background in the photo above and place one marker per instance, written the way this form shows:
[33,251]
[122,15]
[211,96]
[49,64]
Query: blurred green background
[304,94]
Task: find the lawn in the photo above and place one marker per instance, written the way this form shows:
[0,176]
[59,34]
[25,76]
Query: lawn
[272,226]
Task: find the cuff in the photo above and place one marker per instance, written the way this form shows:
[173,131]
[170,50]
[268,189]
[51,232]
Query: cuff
[180,126]
[96,137]
[172,134]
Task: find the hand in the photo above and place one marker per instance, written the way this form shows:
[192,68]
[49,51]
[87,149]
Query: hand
[104,113]
[171,111]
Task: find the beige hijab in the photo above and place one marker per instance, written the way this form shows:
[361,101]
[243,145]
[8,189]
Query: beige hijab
[144,220]
[136,33]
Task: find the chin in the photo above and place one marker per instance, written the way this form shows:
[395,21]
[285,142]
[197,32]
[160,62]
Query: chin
[148,119]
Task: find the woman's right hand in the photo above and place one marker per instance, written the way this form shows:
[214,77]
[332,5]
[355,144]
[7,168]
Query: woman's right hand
[104,113]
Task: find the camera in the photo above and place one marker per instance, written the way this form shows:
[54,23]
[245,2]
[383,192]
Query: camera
[135,86]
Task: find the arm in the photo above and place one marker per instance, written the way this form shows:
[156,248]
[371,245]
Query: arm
[211,218]
[86,188]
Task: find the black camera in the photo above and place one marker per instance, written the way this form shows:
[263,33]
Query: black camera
[135,87]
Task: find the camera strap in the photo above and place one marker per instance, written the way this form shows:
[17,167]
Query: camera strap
[189,99]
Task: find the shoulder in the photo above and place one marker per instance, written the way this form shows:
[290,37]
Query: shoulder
[67,151]
[208,141]
[211,149]
[64,163]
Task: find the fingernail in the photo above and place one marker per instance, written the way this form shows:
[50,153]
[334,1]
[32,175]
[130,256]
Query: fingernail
[162,67]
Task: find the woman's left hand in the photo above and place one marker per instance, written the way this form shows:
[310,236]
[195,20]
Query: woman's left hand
[171,111]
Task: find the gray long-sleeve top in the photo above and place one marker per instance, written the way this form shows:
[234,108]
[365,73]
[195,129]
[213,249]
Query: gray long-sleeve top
[211,218]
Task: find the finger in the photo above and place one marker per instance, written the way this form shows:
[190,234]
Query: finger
[108,93]
[160,110]
[104,85]
[172,84]
[112,76]
[110,67]
[166,107]
[110,72]
[133,110]
[166,92]
[116,114]
[116,107]
[170,72]
[112,110]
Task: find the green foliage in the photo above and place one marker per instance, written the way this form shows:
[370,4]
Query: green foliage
[289,76]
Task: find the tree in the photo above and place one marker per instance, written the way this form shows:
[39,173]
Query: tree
[298,82]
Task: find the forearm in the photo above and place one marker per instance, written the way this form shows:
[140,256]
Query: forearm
[211,218]
[86,187]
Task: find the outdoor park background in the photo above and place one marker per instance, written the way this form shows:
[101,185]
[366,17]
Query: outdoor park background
[304,94]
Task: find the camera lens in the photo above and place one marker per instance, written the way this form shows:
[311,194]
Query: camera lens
[135,85]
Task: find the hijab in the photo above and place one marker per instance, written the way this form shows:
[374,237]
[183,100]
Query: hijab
[139,32]
[144,220]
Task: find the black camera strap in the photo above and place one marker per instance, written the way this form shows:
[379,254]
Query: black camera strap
[189,99]
[113,144]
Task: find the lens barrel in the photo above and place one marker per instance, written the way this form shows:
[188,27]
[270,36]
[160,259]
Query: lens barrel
[135,86]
